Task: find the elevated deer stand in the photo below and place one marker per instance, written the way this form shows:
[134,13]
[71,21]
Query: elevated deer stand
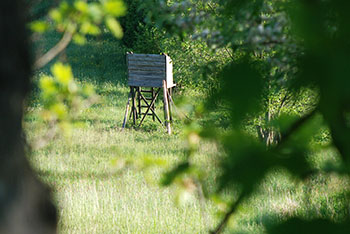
[148,74]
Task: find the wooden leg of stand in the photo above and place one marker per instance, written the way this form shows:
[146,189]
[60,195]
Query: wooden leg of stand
[127,110]
[170,106]
[139,102]
[153,116]
[166,107]
[133,109]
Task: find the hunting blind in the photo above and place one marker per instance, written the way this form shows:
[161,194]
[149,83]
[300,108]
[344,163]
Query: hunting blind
[148,74]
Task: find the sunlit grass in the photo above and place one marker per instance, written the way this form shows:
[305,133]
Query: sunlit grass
[93,197]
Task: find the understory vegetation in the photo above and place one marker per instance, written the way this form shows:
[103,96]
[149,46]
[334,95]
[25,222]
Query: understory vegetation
[260,127]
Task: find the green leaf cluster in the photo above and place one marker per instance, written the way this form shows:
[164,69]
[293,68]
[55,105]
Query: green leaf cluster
[62,97]
[83,18]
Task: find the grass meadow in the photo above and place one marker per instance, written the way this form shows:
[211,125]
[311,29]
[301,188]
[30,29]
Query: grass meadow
[93,197]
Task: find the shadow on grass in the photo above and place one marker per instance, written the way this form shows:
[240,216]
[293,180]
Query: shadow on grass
[100,60]
[119,95]
[148,126]
[95,121]
[77,175]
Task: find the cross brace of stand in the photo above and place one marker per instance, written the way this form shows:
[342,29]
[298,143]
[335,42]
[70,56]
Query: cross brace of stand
[143,99]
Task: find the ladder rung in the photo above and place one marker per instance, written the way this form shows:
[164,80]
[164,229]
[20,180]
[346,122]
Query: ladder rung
[144,114]
[146,91]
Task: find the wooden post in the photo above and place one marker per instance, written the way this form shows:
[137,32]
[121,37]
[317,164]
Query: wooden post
[166,107]
[127,110]
[153,117]
[133,109]
[169,101]
[139,102]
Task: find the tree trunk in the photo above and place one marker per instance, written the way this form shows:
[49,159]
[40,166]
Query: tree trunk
[25,206]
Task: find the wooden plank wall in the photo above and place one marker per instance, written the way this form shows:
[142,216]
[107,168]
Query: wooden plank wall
[169,72]
[146,70]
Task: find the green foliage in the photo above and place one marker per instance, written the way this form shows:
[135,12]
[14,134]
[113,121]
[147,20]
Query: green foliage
[82,18]
[38,9]
[282,49]
[92,172]
[242,86]
[115,27]
[135,28]
[196,65]
[62,97]
[279,66]
[315,226]
[39,26]
[327,55]
[170,176]
[144,34]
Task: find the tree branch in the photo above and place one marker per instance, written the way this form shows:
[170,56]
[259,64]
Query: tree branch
[283,102]
[295,126]
[229,53]
[54,51]
[233,209]
[285,138]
